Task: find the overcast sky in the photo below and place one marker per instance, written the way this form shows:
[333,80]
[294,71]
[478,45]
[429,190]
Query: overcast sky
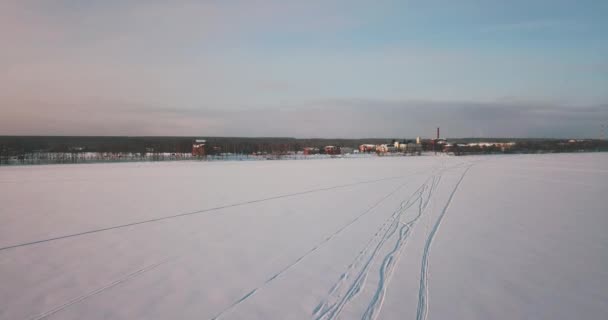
[304,68]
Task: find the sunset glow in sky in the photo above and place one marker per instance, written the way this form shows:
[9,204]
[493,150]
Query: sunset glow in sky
[304,68]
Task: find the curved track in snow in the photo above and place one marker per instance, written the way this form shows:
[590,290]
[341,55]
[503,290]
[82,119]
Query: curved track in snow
[394,231]
[422,310]
[339,296]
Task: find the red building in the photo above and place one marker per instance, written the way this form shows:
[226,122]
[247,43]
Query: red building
[367,148]
[198,148]
[332,150]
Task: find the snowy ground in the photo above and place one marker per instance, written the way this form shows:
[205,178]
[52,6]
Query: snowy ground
[493,237]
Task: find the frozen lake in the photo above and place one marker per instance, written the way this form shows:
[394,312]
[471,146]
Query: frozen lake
[489,237]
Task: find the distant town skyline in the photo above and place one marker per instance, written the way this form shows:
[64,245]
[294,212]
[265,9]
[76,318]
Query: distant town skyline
[335,69]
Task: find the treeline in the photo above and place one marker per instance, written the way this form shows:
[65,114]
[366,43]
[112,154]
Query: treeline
[528,146]
[18,145]
[29,144]
[547,146]
[12,146]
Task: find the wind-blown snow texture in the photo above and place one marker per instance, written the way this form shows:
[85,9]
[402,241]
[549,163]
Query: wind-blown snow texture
[494,237]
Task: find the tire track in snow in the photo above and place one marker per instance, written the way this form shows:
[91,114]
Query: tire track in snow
[209,210]
[385,272]
[322,308]
[327,310]
[422,310]
[81,298]
[392,258]
[322,311]
[313,249]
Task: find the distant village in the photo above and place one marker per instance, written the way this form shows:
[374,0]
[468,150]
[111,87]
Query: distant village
[48,150]
[394,147]
[200,149]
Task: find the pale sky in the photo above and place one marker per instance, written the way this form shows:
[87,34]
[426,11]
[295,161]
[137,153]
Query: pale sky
[347,69]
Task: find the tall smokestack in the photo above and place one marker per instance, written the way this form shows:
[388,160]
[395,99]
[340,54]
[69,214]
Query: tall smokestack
[437,132]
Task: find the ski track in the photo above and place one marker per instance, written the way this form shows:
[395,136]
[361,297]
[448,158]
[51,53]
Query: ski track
[327,309]
[322,307]
[392,258]
[385,272]
[111,285]
[208,210]
[313,249]
[422,309]
[322,311]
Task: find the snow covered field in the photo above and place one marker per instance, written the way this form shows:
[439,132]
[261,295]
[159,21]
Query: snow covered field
[491,237]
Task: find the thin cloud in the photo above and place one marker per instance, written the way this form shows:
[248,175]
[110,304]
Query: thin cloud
[271,67]
[535,25]
[338,118]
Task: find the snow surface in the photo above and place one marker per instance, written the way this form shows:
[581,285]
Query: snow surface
[492,237]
